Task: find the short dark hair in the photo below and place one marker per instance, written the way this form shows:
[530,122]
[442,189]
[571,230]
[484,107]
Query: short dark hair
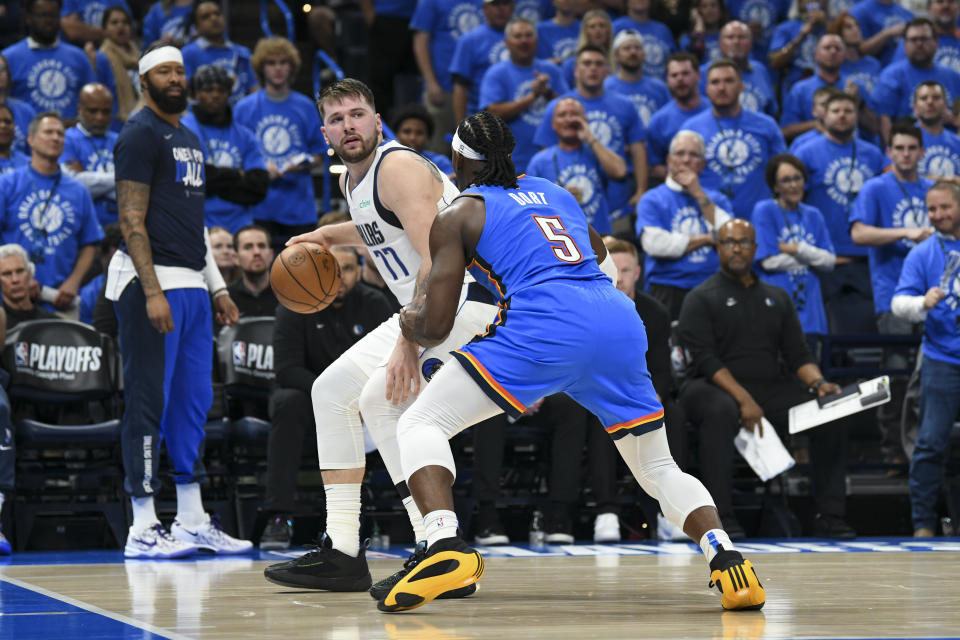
[112,9]
[930,83]
[415,112]
[345,88]
[773,165]
[920,22]
[43,115]
[842,97]
[210,75]
[192,15]
[905,127]
[29,4]
[826,90]
[724,62]
[684,56]
[591,47]
[249,227]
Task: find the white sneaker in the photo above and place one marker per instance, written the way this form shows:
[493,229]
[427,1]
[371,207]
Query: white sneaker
[667,531]
[155,542]
[211,537]
[606,528]
[560,537]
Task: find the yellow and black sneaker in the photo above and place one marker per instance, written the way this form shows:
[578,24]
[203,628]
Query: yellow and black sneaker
[737,581]
[448,565]
[380,589]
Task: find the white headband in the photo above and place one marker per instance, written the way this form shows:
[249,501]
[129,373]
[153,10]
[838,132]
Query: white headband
[625,36]
[158,57]
[463,149]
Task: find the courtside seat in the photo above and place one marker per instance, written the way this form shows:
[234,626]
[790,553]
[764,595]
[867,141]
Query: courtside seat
[245,356]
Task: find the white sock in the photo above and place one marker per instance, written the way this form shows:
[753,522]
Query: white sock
[343,517]
[713,542]
[440,525]
[144,515]
[416,520]
[190,511]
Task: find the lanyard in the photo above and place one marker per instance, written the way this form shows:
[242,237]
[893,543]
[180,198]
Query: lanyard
[786,222]
[726,157]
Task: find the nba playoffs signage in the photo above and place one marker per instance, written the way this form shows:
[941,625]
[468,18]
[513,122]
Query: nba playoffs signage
[62,355]
[246,351]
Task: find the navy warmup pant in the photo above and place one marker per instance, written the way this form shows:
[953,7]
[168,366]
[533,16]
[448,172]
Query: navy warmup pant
[167,385]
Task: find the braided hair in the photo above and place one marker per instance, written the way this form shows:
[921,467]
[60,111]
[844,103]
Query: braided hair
[489,134]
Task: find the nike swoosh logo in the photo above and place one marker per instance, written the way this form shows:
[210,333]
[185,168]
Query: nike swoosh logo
[192,533]
[168,136]
[148,545]
[315,564]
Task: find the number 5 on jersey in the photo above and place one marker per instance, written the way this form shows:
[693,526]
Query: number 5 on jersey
[553,231]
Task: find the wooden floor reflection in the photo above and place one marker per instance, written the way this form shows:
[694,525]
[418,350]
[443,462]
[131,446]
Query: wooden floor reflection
[842,595]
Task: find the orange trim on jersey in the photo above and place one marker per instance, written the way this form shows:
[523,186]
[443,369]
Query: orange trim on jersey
[635,423]
[493,384]
[474,263]
[490,328]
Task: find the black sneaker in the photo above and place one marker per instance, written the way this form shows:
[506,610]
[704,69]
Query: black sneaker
[324,568]
[826,526]
[277,534]
[380,590]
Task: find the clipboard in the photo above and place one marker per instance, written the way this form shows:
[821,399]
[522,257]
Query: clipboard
[852,399]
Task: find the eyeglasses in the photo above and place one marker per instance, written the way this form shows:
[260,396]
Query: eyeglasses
[790,179]
[743,243]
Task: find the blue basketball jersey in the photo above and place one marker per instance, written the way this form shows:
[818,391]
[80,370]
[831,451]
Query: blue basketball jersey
[531,234]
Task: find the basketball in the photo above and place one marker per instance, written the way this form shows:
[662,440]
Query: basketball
[305,277]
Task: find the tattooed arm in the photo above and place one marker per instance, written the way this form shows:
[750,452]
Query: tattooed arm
[132,201]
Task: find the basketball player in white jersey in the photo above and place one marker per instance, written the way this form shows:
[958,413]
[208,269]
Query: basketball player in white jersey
[394,195]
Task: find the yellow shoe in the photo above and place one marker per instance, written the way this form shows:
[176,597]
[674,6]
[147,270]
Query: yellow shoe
[449,564]
[737,581]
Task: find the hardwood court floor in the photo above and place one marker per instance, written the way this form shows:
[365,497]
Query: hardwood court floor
[824,595]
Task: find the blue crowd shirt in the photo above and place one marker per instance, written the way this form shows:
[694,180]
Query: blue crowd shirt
[443,162]
[231,147]
[926,266]
[23,113]
[737,152]
[648,94]
[88,297]
[947,55]
[711,45]
[48,78]
[95,153]
[614,121]
[658,43]
[833,182]
[864,72]
[446,23]
[889,203]
[757,94]
[232,58]
[285,130]
[774,225]
[536,11]
[505,82]
[159,22]
[14,162]
[802,62]
[798,105]
[874,17]
[678,212]
[893,94]
[556,42]
[170,159]
[664,124]
[579,169]
[941,154]
[104,75]
[53,233]
[476,52]
[91,11]
[767,13]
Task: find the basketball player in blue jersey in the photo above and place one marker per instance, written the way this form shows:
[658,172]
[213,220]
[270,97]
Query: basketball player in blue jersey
[561,327]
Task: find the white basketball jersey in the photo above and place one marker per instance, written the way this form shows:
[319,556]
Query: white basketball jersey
[396,259]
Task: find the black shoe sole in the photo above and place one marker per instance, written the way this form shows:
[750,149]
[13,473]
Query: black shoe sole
[462,592]
[347,583]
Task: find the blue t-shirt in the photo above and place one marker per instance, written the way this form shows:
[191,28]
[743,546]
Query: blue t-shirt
[23,113]
[658,43]
[874,17]
[832,183]
[95,153]
[925,267]
[798,105]
[802,139]
[443,162]
[159,23]
[614,121]
[476,52]
[535,11]
[88,297]
[555,42]
[802,62]
[104,74]
[888,203]
[711,45]
[91,11]
[757,94]
[678,212]
[893,94]
[51,233]
[48,78]
[14,162]
[579,169]
[947,55]
[864,72]
[506,82]
[647,95]
[941,154]
[767,13]
[805,224]
[737,153]
[285,130]
[231,147]
[232,58]
[446,23]
[663,125]
[169,159]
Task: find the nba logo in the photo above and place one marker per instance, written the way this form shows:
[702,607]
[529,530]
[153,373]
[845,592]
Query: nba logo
[22,354]
[239,353]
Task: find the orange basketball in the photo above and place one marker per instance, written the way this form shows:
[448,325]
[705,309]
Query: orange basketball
[305,277]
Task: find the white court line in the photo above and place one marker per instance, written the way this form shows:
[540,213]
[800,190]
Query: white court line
[146,626]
